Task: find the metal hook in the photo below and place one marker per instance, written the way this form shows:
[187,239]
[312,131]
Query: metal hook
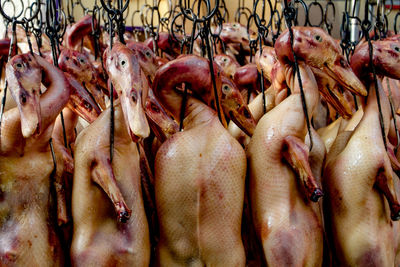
[242,11]
[350,34]
[277,24]
[189,14]
[16,16]
[37,25]
[165,18]
[293,4]
[222,15]
[395,22]
[263,30]
[261,23]
[321,11]
[111,10]
[380,27]
[329,23]
[96,31]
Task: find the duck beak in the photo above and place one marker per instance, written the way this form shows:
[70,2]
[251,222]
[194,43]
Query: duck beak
[160,121]
[29,108]
[330,90]
[135,117]
[241,116]
[334,97]
[342,73]
[81,102]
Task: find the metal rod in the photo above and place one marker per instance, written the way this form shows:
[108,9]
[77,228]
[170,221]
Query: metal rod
[289,17]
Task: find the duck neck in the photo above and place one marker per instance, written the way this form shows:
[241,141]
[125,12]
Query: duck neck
[371,109]
[120,127]
[197,113]
[309,86]
[70,122]
[55,98]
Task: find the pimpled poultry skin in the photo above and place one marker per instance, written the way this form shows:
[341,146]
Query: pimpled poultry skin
[288,224]
[27,217]
[282,185]
[110,225]
[99,239]
[199,176]
[361,199]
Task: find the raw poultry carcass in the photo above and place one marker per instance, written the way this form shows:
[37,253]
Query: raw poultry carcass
[358,178]
[283,186]
[80,104]
[110,225]
[160,120]
[27,222]
[162,125]
[199,173]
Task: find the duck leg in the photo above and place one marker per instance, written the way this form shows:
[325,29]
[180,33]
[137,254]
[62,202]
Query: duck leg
[103,175]
[384,183]
[296,154]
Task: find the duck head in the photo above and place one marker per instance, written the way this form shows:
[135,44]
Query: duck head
[24,76]
[130,83]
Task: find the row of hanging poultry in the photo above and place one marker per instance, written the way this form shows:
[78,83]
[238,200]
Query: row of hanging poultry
[238,185]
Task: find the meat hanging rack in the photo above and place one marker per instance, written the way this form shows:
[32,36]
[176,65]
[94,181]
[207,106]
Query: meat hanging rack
[199,132]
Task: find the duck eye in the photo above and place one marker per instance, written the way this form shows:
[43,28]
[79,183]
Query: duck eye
[134,97]
[87,105]
[81,60]
[318,38]
[226,89]
[246,114]
[397,49]
[23,98]
[225,59]
[155,108]
[148,54]
[123,62]
[343,63]
[18,65]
